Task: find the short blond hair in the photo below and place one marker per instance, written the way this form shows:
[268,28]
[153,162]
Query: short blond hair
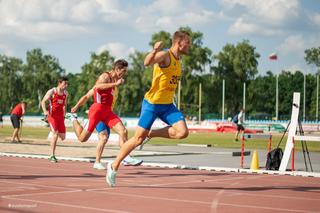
[179,35]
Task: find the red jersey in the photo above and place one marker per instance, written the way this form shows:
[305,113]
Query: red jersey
[17,110]
[104,97]
[57,103]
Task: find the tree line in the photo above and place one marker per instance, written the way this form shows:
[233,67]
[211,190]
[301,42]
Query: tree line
[235,63]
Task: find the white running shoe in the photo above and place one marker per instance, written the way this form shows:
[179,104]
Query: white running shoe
[130,161]
[146,140]
[71,116]
[98,166]
[111,175]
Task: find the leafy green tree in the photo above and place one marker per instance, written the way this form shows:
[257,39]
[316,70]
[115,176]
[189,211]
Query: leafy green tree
[311,93]
[163,36]
[288,84]
[237,64]
[10,81]
[40,73]
[312,56]
[261,95]
[211,96]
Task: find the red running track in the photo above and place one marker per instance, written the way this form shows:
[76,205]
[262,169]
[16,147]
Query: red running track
[35,185]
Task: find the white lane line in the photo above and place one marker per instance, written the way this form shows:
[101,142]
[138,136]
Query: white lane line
[154,198]
[39,185]
[45,167]
[265,208]
[39,193]
[195,181]
[16,189]
[270,196]
[18,197]
[176,166]
[215,201]
[70,205]
[202,202]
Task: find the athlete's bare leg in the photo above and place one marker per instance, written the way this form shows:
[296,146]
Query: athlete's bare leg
[128,146]
[77,127]
[62,136]
[179,130]
[122,132]
[54,143]
[82,134]
[103,138]
[15,134]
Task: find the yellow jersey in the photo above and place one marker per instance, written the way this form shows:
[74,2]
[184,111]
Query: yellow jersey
[164,82]
[115,96]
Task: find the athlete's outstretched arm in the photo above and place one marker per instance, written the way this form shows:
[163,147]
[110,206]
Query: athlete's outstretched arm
[104,86]
[44,100]
[156,55]
[82,100]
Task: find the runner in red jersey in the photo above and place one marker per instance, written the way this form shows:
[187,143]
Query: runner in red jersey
[16,118]
[57,98]
[101,109]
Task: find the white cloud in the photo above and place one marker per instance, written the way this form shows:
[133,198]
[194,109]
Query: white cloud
[240,27]
[292,50]
[112,11]
[192,19]
[315,19]
[271,11]
[43,31]
[165,7]
[168,15]
[46,20]
[117,49]
[198,18]
[171,14]
[85,11]
[6,49]
[294,44]
[259,16]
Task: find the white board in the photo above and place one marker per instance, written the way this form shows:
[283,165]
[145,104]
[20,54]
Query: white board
[292,131]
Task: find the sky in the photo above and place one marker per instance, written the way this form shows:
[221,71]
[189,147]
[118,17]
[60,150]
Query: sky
[71,30]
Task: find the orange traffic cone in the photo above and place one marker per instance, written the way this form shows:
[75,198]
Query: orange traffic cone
[255,161]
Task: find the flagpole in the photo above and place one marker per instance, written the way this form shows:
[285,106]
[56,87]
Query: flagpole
[200,94]
[317,107]
[277,96]
[304,96]
[244,97]
[274,56]
[223,94]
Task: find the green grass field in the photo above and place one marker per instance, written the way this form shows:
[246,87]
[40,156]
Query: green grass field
[219,140]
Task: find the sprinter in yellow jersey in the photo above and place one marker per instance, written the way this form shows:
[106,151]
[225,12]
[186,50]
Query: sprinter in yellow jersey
[158,101]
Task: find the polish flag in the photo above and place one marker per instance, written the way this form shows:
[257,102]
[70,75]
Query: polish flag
[273,56]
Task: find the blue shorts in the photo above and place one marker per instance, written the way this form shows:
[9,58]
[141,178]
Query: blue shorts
[168,113]
[102,127]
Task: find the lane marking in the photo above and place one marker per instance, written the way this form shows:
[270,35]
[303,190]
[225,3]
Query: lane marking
[70,205]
